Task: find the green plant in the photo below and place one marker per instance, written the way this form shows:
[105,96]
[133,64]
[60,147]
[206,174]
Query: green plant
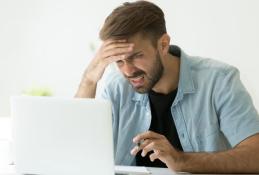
[38,91]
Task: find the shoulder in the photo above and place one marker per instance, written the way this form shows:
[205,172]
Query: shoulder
[208,69]
[209,65]
[206,74]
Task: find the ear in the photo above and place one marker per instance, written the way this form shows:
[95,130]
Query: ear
[164,44]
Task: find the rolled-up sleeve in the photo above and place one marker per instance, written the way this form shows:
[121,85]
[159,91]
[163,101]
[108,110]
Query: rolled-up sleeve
[238,117]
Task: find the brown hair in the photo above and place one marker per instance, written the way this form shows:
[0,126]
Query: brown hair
[132,18]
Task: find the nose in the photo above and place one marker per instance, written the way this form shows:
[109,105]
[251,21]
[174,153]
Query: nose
[128,69]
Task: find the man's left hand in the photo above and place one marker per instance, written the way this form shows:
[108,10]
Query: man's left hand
[161,147]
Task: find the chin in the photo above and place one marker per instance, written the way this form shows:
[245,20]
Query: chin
[142,90]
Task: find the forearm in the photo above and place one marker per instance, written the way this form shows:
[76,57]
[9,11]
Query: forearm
[238,160]
[86,89]
[110,51]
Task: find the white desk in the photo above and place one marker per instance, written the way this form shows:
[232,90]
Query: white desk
[9,170]
[133,170]
[164,171]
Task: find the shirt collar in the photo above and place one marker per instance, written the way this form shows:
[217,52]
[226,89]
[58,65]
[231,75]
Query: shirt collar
[186,83]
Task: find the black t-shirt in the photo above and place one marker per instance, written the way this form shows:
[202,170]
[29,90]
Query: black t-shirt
[162,121]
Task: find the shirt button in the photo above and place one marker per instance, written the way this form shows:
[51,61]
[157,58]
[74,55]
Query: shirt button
[182,135]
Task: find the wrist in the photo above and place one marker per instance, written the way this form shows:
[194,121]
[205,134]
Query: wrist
[178,161]
[182,161]
[87,89]
[88,83]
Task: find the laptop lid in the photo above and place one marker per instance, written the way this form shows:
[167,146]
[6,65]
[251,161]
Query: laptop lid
[54,136]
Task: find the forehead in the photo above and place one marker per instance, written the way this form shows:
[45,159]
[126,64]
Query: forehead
[141,43]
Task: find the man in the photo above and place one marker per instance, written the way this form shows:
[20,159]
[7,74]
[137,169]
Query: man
[170,109]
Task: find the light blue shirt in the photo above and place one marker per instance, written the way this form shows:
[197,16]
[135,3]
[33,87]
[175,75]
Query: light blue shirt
[212,110]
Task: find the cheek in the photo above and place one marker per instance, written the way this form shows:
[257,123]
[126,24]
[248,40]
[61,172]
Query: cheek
[142,64]
[147,66]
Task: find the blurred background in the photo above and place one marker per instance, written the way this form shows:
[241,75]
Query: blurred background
[45,45]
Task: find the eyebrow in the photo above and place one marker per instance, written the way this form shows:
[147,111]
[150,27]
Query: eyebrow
[132,55]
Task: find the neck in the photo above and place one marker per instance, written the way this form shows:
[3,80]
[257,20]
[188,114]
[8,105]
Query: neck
[170,77]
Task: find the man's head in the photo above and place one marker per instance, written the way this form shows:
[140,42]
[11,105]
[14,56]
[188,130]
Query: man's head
[141,23]
[132,18]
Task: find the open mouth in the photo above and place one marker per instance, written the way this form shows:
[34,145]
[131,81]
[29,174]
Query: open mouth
[137,81]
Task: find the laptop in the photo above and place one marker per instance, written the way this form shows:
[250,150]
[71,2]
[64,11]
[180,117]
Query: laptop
[62,136]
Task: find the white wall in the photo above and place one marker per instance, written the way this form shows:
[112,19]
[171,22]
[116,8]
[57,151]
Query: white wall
[48,42]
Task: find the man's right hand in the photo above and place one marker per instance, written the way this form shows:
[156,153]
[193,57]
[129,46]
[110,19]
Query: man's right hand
[110,51]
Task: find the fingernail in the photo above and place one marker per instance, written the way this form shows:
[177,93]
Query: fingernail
[134,140]
[133,151]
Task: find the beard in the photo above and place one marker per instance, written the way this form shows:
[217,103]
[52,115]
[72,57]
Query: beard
[150,78]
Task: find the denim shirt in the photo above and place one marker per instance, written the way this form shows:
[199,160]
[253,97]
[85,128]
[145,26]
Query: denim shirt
[212,110]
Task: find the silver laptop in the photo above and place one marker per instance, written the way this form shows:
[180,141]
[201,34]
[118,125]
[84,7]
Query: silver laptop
[61,136]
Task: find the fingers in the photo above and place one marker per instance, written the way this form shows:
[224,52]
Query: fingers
[114,51]
[116,47]
[159,148]
[112,59]
[110,51]
[152,146]
[147,135]
[154,156]
[156,144]
[147,140]
[112,41]
[140,146]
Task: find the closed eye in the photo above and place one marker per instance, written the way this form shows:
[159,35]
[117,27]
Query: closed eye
[131,58]
[119,62]
[134,55]
[139,55]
